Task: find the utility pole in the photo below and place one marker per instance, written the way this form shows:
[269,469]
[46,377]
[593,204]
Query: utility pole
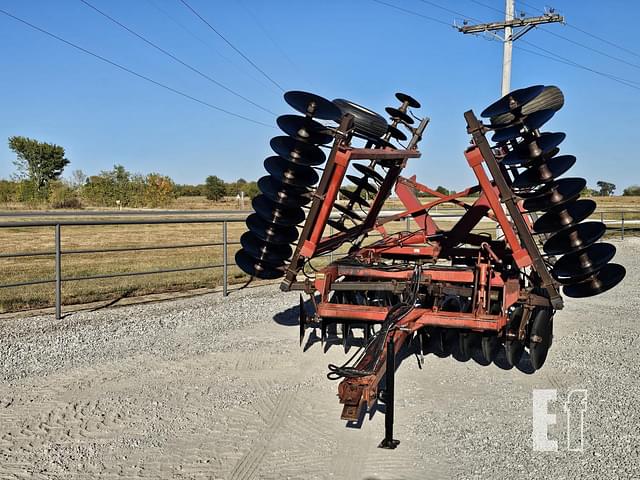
[510,23]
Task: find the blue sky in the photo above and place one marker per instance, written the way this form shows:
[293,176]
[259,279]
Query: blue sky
[356,49]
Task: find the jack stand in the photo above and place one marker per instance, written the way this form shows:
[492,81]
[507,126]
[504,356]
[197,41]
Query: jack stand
[388,441]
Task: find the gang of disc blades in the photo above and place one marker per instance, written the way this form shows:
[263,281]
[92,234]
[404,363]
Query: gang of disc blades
[255,268]
[396,133]
[297,152]
[507,134]
[282,194]
[575,238]
[368,172]
[577,267]
[269,232]
[304,129]
[569,214]
[412,102]
[354,197]
[561,192]
[347,211]
[264,251]
[512,101]
[290,173]
[533,177]
[399,114]
[545,144]
[314,105]
[275,213]
[362,183]
[538,119]
[607,278]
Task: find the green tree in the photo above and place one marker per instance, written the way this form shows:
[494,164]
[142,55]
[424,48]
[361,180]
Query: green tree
[632,191]
[606,188]
[442,190]
[159,190]
[214,188]
[39,162]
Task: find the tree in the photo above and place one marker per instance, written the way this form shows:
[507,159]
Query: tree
[214,188]
[158,191]
[606,188]
[632,191]
[442,190]
[77,179]
[39,162]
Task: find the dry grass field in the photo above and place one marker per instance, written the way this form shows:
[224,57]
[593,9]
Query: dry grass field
[41,239]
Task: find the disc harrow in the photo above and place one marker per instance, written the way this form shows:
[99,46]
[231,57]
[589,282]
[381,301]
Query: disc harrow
[427,289]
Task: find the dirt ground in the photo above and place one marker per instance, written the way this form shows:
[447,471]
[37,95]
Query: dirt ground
[213,387]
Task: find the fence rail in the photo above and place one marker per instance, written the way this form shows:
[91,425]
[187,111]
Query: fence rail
[613,225]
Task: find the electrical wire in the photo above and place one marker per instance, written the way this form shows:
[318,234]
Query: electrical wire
[231,45]
[416,14]
[133,72]
[173,57]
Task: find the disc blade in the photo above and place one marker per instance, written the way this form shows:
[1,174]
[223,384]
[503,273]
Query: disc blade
[512,101]
[368,172]
[399,114]
[313,105]
[263,251]
[506,134]
[607,278]
[575,238]
[529,150]
[568,215]
[354,197]
[282,194]
[544,172]
[297,152]
[258,269]
[538,119]
[362,183]
[396,133]
[268,232]
[337,225]
[277,214]
[577,267]
[412,102]
[551,97]
[291,173]
[562,191]
[348,212]
[304,129]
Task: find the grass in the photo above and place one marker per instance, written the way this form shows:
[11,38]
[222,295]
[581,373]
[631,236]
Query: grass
[41,239]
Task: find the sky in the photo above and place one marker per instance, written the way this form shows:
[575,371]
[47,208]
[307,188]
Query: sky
[360,50]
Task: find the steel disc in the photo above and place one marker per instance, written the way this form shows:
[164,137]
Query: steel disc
[354,197]
[577,267]
[538,119]
[544,173]
[313,105]
[275,213]
[575,238]
[561,192]
[607,278]
[297,152]
[268,232]
[347,211]
[528,150]
[362,183]
[290,173]
[512,101]
[396,133]
[264,251]
[337,225]
[556,220]
[412,102]
[282,194]
[304,129]
[368,172]
[256,268]
[506,134]
[399,114]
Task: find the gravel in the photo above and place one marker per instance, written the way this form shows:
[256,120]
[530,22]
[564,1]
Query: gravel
[213,387]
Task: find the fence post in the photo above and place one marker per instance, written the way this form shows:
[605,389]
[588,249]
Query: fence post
[622,213]
[224,259]
[58,269]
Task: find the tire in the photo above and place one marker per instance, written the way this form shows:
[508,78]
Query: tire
[365,121]
[550,98]
[541,327]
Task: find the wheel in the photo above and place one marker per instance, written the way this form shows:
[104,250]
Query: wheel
[540,337]
[365,121]
[550,98]
[489,345]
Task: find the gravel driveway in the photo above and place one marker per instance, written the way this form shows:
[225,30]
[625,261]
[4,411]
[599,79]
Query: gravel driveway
[213,387]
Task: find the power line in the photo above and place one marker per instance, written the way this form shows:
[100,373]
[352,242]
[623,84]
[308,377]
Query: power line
[132,72]
[172,56]
[232,45]
[411,12]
